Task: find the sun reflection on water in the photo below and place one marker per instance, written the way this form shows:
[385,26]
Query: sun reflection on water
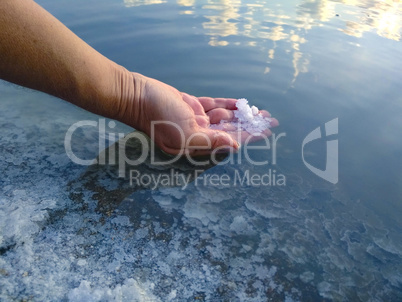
[264,19]
[255,23]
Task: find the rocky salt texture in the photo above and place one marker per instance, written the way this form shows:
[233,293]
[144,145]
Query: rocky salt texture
[74,233]
[246,118]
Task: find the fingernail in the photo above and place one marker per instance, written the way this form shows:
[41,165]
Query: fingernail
[236,145]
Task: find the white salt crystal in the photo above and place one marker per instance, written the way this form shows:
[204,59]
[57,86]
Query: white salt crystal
[243,112]
[254,110]
[247,118]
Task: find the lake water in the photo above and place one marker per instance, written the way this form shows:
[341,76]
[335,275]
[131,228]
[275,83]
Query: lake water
[79,233]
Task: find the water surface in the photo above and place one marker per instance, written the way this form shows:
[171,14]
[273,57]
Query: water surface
[70,232]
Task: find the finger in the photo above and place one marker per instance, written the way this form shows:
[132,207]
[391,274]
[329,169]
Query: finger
[193,102]
[219,114]
[202,120]
[197,153]
[274,122]
[230,126]
[207,140]
[264,113]
[245,137]
[203,142]
[212,103]
[222,146]
[193,152]
[227,127]
[211,139]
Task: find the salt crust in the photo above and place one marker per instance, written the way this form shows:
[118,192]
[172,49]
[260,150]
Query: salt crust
[58,248]
[246,118]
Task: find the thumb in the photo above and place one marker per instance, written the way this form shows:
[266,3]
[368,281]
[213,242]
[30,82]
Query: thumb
[207,140]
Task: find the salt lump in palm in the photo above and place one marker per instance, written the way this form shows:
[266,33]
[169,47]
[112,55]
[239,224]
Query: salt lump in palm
[248,119]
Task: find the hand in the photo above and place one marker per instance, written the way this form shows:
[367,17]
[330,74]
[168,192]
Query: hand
[39,52]
[185,119]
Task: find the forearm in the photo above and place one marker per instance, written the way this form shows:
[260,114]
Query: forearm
[39,52]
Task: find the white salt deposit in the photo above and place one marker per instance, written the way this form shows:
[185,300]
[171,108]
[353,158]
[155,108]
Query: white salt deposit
[247,118]
[131,290]
[214,243]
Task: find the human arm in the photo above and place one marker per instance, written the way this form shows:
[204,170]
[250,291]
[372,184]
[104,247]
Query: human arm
[39,52]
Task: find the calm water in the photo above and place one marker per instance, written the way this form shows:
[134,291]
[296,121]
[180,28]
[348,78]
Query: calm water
[70,232]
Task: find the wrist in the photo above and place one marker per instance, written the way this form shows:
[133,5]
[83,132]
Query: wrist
[128,96]
[108,90]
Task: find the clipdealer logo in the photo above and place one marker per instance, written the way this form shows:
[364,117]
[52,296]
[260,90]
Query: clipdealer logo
[270,177]
[175,179]
[330,173]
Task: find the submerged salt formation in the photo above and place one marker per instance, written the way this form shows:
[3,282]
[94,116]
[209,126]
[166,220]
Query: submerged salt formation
[203,242]
[247,118]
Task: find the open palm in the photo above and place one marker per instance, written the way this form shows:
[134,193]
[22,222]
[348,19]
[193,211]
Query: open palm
[180,122]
